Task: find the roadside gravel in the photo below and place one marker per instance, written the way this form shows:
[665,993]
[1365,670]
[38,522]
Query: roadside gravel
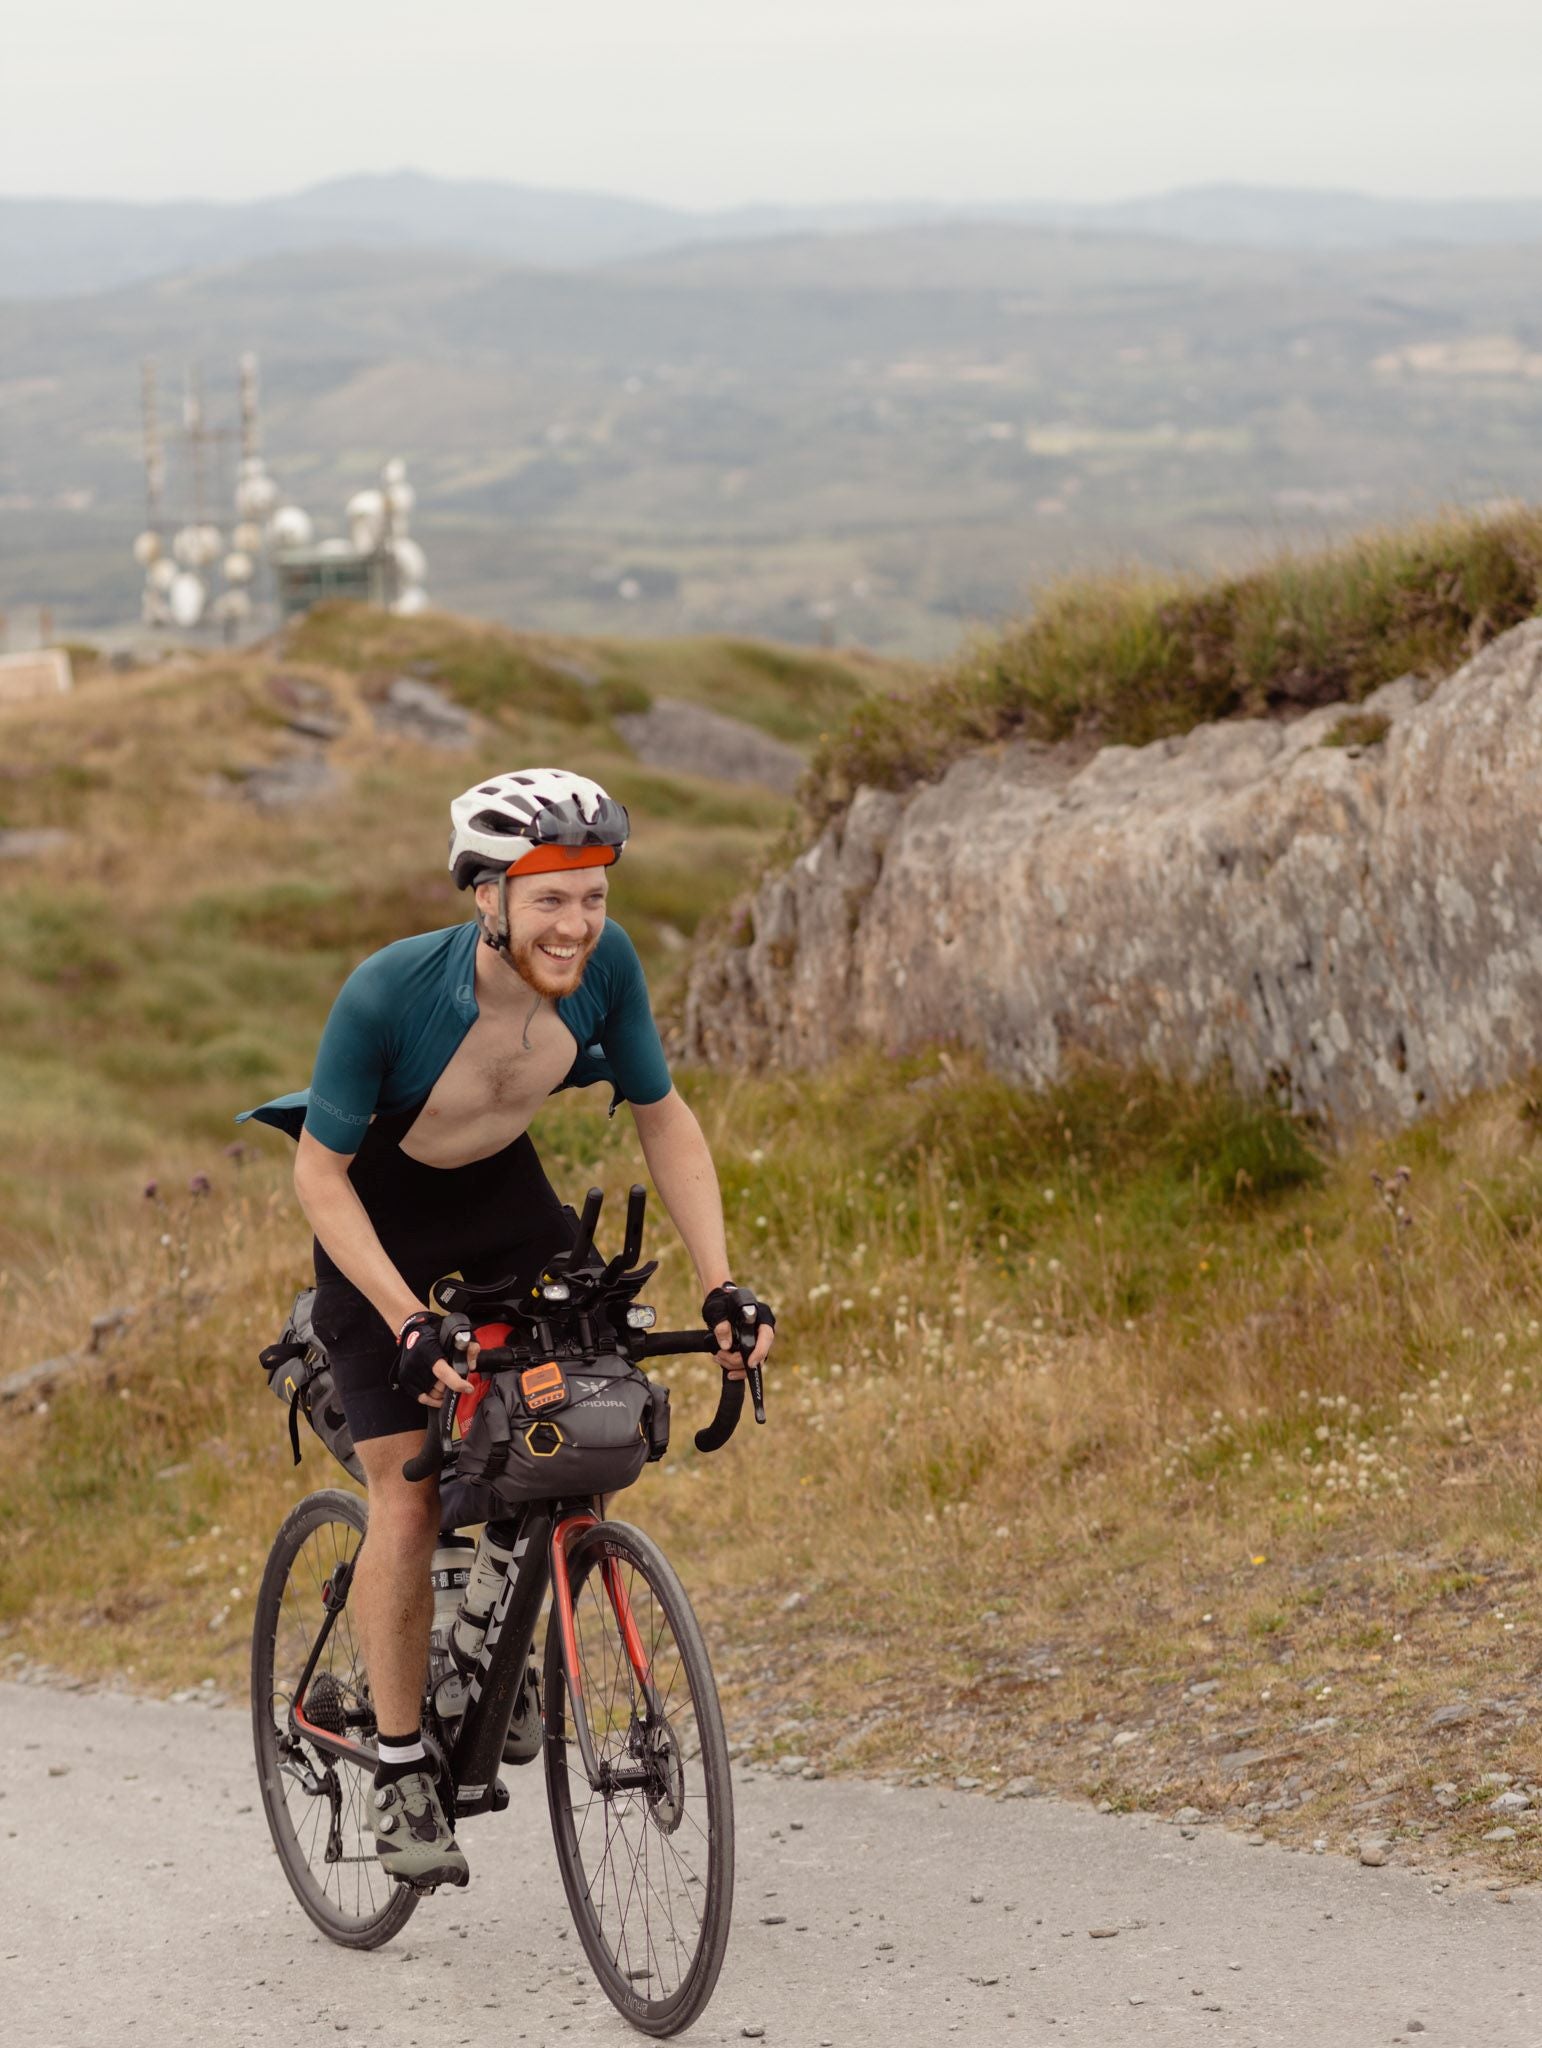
[139,1900]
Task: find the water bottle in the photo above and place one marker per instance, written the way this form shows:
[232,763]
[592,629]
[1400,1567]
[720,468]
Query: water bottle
[489,1568]
[448,1574]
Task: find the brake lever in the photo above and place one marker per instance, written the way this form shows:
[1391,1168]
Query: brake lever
[437,1431]
[745,1338]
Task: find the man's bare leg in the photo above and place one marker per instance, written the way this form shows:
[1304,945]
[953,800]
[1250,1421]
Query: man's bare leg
[394,1606]
[391,1595]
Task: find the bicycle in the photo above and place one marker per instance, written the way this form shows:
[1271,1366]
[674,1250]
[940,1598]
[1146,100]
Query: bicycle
[636,1757]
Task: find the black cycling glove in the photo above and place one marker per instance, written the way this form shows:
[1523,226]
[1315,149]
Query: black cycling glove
[741,1309]
[427,1340]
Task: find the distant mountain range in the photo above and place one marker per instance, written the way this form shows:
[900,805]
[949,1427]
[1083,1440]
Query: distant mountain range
[63,247]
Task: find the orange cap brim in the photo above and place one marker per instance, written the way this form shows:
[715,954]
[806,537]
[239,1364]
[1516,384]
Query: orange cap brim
[546,860]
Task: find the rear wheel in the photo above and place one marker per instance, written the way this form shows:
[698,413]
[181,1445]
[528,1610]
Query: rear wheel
[647,1856]
[315,1802]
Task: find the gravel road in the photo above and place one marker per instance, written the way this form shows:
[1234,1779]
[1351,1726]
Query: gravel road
[140,1901]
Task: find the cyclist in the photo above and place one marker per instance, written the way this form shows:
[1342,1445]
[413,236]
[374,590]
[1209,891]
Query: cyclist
[414,1161]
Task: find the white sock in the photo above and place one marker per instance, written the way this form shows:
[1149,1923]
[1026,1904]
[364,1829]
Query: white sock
[402,1752]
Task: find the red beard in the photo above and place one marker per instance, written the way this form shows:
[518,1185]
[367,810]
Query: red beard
[546,976]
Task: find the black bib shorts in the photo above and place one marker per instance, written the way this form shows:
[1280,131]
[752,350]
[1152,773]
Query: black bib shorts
[497,1218]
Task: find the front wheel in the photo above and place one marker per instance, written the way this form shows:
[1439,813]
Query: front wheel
[315,1802]
[647,1854]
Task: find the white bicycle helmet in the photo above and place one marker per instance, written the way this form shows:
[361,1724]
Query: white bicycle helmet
[530,820]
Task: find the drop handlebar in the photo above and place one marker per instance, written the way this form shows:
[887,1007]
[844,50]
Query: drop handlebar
[660,1344]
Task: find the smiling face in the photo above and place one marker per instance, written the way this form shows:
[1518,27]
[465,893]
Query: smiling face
[555,923]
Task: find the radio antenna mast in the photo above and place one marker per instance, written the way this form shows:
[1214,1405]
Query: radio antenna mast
[155,458]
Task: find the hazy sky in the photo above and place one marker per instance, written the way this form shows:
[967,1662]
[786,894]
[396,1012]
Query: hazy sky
[714,102]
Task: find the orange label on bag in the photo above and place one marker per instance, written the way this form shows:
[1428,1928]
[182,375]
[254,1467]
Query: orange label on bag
[543,1386]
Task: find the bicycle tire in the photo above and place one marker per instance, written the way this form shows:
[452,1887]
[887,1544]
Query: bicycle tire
[317,1535]
[692,1799]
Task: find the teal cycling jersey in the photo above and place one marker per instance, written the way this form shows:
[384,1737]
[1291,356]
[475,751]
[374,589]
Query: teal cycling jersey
[401,1015]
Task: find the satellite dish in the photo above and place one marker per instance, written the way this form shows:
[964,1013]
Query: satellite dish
[395,471]
[401,498]
[247,537]
[256,496]
[147,549]
[230,606]
[186,598]
[238,567]
[411,601]
[196,546]
[290,528]
[366,505]
[410,560]
[162,575]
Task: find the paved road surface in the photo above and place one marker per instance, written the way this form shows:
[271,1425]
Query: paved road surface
[140,1902]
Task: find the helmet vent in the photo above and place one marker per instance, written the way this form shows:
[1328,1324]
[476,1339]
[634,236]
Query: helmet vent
[494,821]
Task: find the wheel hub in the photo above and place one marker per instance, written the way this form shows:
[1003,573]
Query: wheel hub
[665,1792]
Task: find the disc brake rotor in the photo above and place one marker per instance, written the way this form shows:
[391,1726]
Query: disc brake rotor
[666,1786]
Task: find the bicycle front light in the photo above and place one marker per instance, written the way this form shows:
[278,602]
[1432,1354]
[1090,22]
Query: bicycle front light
[640,1317]
[556,1290]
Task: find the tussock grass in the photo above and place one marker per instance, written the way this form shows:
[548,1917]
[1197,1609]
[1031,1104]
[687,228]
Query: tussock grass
[1130,659]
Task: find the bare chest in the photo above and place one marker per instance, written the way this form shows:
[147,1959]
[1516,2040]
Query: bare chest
[493,1086]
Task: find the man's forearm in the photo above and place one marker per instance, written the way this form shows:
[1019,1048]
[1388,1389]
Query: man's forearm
[681,1165]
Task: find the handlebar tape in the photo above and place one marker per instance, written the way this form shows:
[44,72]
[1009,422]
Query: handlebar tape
[730,1403]
[431,1457]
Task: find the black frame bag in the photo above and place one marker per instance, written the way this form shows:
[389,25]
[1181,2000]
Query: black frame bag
[587,1427]
[300,1373]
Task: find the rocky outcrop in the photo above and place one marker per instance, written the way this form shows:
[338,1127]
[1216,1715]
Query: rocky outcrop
[1346,907]
[688,737]
[412,709]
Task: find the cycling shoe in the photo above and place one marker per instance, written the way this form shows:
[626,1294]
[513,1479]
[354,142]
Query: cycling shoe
[413,1839]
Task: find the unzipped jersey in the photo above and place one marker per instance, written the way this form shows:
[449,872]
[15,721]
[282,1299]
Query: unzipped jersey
[400,1016]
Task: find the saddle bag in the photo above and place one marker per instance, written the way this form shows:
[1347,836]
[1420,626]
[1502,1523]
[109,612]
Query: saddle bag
[586,1429]
[299,1372]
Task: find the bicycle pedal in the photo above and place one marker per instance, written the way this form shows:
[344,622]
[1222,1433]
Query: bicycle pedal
[425,1887]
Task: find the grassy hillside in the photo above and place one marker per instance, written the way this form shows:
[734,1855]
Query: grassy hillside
[1119,1438]
[180,965]
[791,693]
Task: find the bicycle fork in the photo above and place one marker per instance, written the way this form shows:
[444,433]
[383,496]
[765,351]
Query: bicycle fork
[604,1776]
